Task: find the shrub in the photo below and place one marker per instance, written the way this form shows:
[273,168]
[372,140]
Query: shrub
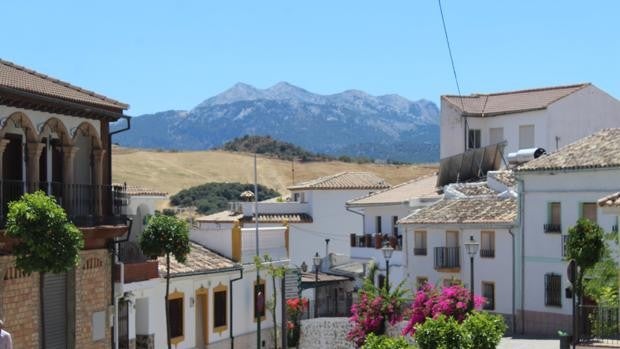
[430,302]
[383,342]
[486,330]
[442,332]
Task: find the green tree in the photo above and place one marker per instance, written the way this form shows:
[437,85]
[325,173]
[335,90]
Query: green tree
[586,246]
[165,236]
[48,241]
[601,281]
[276,272]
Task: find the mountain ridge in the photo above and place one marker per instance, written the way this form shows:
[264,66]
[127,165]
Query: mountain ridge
[351,122]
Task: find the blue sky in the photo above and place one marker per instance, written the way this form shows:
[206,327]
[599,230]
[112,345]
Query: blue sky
[160,55]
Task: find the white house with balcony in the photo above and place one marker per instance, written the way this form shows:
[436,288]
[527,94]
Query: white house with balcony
[436,236]
[555,191]
[380,213]
[548,118]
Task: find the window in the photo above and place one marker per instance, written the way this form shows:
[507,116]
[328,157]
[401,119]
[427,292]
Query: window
[526,137]
[555,218]
[259,303]
[220,300]
[395,225]
[419,249]
[553,290]
[487,245]
[496,135]
[175,312]
[420,281]
[381,281]
[488,292]
[588,210]
[473,139]
[378,225]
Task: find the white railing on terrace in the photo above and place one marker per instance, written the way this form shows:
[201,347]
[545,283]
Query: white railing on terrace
[247,208]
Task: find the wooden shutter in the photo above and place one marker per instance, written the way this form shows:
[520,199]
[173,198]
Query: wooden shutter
[526,137]
[589,211]
[556,213]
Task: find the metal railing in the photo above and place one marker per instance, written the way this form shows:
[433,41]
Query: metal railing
[85,204]
[487,253]
[447,257]
[552,228]
[599,325]
[376,241]
[130,252]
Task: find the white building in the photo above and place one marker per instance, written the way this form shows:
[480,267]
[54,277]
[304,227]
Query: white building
[380,213]
[548,118]
[436,236]
[555,191]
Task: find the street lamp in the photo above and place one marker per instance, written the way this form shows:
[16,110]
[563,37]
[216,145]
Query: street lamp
[304,266]
[316,260]
[472,247]
[387,254]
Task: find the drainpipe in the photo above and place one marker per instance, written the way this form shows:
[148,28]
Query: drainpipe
[521,191]
[514,316]
[230,283]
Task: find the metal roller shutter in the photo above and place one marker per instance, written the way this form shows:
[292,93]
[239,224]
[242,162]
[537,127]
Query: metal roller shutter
[55,311]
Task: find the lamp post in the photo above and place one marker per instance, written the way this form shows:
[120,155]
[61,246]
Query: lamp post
[316,260]
[387,254]
[472,247]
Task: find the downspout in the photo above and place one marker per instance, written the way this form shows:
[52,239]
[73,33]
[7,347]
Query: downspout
[514,316]
[230,283]
[521,221]
[121,279]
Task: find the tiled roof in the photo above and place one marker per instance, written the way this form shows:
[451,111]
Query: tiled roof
[20,78]
[474,189]
[488,210]
[598,150]
[344,181]
[135,190]
[221,217]
[199,260]
[503,176]
[280,217]
[612,200]
[310,278]
[510,102]
[402,193]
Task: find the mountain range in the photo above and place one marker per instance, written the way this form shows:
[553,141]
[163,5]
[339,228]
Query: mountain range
[350,123]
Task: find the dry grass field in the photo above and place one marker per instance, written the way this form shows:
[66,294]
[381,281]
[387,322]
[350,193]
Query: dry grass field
[173,171]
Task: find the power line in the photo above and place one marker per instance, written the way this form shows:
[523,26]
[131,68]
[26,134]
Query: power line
[445,31]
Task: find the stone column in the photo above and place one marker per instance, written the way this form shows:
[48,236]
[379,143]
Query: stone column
[69,152]
[98,156]
[32,169]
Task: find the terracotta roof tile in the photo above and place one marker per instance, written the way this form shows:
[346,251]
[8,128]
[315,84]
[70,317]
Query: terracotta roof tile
[482,105]
[20,78]
[344,181]
[135,190]
[503,176]
[612,200]
[474,189]
[280,217]
[598,150]
[486,210]
[199,260]
[401,193]
[221,217]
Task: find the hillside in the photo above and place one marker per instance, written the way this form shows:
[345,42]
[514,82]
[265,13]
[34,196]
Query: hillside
[265,145]
[351,123]
[173,171]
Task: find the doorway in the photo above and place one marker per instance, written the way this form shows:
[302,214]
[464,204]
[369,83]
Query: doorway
[202,318]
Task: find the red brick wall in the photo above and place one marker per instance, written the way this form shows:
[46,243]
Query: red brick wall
[20,305]
[93,287]
[20,300]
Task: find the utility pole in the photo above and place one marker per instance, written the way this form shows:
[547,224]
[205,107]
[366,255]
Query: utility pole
[256,296]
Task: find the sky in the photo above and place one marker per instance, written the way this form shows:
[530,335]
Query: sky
[161,55]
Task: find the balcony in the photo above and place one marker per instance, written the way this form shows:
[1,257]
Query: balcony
[137,266]
[376,241]
[447,258]
[552,228]
[487,253]
[86,205]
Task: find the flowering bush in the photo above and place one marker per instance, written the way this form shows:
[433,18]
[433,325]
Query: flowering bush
[375,306]
[294,308]
[430,302]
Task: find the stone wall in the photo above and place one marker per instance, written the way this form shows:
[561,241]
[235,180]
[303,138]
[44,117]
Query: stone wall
[19,304]
[247,340]
[539,323]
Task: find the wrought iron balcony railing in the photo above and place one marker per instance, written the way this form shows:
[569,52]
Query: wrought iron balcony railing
[447,257]
[86,205]
[552,228]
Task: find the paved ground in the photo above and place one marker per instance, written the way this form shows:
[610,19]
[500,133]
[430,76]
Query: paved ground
[529,343]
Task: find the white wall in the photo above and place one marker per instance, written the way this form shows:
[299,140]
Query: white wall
[497,270]
[216,236]
[543,251]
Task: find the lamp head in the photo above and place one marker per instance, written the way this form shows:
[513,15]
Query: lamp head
[472,246]
[316,260]
[387,251]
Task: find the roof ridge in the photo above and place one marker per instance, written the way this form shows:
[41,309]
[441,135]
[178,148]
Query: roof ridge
[63,83]
[537,89]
